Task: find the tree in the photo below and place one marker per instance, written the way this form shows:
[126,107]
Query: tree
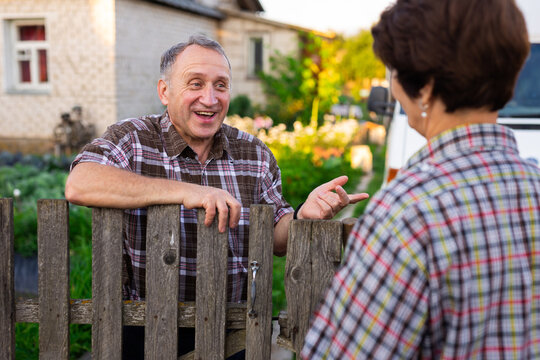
[305,87]
[357,63]
[302,87]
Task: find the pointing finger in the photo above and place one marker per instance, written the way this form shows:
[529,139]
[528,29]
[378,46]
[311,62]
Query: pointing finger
[354,198]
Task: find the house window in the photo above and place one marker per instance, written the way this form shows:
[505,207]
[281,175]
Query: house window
[27,58]
[256,55]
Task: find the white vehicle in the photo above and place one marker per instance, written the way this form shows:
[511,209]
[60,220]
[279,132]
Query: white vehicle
[521,114]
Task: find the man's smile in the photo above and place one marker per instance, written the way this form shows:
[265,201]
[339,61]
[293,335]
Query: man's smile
[206,114]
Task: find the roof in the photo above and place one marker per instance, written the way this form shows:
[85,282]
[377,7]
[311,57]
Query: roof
[194,7]
[257,18]
[250,5]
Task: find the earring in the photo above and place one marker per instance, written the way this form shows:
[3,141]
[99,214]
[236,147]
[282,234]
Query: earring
[424,108]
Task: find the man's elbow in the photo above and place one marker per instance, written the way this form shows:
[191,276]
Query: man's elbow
[71,192]
[280,251]
[280,247]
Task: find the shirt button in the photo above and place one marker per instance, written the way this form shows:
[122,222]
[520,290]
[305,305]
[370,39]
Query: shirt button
[425,167]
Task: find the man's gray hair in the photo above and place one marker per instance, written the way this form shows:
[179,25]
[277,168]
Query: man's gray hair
[169,57]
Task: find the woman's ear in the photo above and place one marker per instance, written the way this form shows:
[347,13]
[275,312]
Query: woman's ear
[426,93]
[163,92]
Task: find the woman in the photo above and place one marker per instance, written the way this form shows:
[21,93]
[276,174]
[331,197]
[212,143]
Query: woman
[444,263]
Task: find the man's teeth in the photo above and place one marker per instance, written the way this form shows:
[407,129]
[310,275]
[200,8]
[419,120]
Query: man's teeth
[205,113]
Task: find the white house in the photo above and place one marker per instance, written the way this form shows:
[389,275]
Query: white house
[103,55]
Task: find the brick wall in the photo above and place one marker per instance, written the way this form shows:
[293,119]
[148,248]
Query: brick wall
[81,40]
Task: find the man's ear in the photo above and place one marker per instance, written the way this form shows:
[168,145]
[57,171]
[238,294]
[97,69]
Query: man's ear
[163,92]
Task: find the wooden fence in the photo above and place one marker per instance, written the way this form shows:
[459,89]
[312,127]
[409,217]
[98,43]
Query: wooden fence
[221,328]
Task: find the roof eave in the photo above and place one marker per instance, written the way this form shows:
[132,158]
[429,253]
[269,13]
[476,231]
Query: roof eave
[192,7]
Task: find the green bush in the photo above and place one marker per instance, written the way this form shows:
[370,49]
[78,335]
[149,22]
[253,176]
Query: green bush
[241,106]
[26,184]
[300,176]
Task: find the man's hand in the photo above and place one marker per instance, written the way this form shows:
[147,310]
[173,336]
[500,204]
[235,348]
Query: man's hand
[328,199]
[212,200]
[322,203]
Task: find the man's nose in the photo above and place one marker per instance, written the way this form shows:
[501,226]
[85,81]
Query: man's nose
[208,96]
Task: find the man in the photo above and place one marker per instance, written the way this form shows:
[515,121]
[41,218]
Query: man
[188,156]
[444,264]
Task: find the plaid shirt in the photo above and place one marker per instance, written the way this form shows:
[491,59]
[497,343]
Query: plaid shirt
[238,163]
[445,263]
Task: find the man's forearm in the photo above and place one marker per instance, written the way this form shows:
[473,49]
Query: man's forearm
[92,184]
[281,234]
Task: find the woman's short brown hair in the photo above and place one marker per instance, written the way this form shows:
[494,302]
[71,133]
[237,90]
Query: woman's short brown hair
[472,49]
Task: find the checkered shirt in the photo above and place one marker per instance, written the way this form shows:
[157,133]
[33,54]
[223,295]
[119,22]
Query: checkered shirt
[445,263]
[238,162]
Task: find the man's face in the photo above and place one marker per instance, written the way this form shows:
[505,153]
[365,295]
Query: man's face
[197,93]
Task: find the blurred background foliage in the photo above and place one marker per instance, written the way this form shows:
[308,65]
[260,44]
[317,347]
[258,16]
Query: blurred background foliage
[303,88]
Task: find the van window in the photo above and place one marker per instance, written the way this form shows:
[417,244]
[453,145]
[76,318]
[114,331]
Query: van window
[526,100]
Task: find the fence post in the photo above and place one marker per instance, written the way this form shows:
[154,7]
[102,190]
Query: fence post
[259,319]
[106,283]
[326,240]
[7,282]
[313,253]
[53,279]
[162,258]
[211,289]
[298,281]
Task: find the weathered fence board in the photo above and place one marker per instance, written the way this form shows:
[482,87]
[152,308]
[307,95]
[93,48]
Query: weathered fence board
[7,282]
[325,257]
[53,279]
[313,252]
[162,256]
[211,289]
[297,280]
[348,224]
[133,313]
[259,321]
[107,283]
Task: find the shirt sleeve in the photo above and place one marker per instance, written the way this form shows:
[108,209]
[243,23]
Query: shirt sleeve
[377,304]
[271,192]
[114,148]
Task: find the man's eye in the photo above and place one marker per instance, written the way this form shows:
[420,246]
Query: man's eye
[221,86]
[196,84]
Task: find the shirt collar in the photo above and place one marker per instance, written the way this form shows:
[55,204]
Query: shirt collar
[465,139]
[176,145]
